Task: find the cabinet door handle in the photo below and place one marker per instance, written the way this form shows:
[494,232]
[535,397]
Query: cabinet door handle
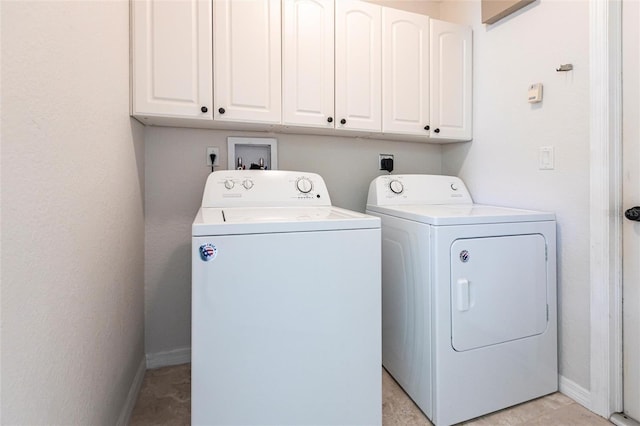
[330,119]
[437,130]
[221,110]
[427,127]
[343,121]
[204,109]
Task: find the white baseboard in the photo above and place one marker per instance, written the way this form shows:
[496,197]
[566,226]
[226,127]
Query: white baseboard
[132,396]
[575,392]
[166,358]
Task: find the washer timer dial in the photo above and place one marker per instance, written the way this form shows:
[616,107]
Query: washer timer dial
[396,186]
[304,185]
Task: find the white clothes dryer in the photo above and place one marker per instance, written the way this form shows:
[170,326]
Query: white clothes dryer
[468,296]
[286,305]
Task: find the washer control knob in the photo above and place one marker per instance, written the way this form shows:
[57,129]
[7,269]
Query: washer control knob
[396,186]
[454,186]
[247,183]
[304,185]
[229,184]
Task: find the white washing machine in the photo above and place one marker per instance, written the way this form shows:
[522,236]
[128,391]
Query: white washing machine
[468,296]
[286,305]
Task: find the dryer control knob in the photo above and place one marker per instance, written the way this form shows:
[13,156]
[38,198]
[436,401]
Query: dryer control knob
[247,183]
[396,186]
[454,186]
[229,184]
[304,185]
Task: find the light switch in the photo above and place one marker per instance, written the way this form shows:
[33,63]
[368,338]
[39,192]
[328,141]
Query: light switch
[545,158]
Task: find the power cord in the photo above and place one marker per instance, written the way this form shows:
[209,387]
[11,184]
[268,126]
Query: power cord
[213,160]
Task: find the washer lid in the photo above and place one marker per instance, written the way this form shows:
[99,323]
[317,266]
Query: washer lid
[264,220]
[459,214]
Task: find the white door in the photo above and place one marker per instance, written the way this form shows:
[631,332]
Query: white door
[631,198]
[358,66]
[307,58]
[405,72]
[450,93]
[172,66]
[247,61]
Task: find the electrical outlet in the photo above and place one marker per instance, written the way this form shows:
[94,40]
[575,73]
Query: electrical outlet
[383,157]
[213,150]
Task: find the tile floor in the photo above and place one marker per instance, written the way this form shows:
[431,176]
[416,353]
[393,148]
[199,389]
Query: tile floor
[165,399]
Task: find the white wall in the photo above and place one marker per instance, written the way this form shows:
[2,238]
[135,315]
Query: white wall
[72,214]
[175,167]
[501,164]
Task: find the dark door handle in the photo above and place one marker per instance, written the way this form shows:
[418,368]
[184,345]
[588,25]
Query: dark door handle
[427,127]
[633,213]
[221,110]
[330,120]
[204,109]
[437,130]
[343,121]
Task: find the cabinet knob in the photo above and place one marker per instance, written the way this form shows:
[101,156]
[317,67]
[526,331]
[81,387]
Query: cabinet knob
[221,110]
[330,119]
[343,121]
[427,127]
[204,109]
[437,130]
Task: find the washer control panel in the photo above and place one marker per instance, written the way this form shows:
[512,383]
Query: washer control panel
[418,189]
[263,188]
[304,184]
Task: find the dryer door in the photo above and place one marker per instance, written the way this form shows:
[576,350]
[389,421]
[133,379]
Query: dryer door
[498,290]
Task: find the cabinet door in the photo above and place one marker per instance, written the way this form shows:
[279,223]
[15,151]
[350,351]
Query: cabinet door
[451,57]
[358,66]
[405,72]
[172,66]
[307,57]
[247,61]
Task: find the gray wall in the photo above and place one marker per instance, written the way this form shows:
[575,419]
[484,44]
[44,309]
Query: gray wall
[175,174]
[501,164]
[72,214]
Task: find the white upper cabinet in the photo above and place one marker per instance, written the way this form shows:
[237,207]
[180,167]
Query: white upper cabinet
[307,58]
[171,60]
[358,51]
[307,64]
[247,61]
[451,81]
[405,72]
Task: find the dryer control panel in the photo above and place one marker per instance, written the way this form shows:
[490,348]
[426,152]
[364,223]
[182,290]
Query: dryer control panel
[417,189]
[264,188]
